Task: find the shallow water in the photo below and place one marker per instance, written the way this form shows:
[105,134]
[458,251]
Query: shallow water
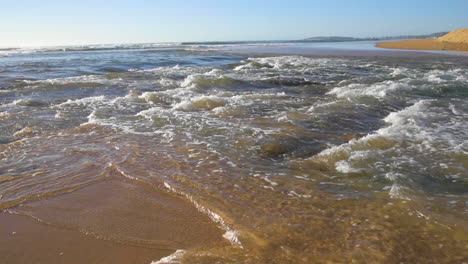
[232,157]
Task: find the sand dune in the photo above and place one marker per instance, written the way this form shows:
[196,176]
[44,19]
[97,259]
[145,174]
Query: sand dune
[456,40]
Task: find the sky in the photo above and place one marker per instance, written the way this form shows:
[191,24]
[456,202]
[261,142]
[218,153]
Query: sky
[79,22]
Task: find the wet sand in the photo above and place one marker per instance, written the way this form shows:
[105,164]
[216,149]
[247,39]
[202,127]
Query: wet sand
[114,221]
[26,240]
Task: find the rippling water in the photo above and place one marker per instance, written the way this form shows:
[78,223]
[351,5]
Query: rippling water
[236,157]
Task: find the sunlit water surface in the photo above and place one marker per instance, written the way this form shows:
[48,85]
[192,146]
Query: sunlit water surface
[294,158]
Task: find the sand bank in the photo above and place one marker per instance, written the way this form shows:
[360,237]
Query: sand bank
[455,41]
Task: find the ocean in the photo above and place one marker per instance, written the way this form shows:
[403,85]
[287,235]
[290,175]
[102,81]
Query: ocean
[236,152]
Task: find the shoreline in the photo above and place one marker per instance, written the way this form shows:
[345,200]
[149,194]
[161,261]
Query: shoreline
[423,44]
[456,41]
[114,221]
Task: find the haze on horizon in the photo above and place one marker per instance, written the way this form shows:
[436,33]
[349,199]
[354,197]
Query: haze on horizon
[52,22]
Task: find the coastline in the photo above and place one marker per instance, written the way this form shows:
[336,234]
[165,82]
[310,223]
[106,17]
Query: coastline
[424,44]
[453,41]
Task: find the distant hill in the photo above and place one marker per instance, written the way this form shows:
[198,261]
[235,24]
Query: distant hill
[433,35]
[456,36]
[342,39]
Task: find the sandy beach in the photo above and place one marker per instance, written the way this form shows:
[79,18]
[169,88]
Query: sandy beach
[454,41]
[165,223]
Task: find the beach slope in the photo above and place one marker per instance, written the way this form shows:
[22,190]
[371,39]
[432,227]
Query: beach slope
[456,40]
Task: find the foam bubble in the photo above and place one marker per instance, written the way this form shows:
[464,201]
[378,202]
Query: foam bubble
[415,142]
[171,259]
[378,90]
[83,101]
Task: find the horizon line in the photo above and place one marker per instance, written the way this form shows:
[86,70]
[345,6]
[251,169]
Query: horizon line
[205,41]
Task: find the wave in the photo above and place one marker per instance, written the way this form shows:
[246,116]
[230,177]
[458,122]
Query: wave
[171,259]
[83,79]
[413,152]
[379,90]
[153,47]
[231,234]
[97,47]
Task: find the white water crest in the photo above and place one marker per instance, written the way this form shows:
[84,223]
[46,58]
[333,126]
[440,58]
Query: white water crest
[171,259]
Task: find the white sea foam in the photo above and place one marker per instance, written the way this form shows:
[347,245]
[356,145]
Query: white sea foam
[260,96]
[343,166]
[15,51]
[66,80]
[157,97]
[74,48]
[286,62]
[413,137]
[230,234]
[441,76]
[406,79]
[378,90]
[398,71]
[191,80]
[171,259]
[83,101]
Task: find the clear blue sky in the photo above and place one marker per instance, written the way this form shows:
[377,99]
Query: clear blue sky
[54,22]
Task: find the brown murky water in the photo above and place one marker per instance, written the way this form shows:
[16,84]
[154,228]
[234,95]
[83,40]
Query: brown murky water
[285,159]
